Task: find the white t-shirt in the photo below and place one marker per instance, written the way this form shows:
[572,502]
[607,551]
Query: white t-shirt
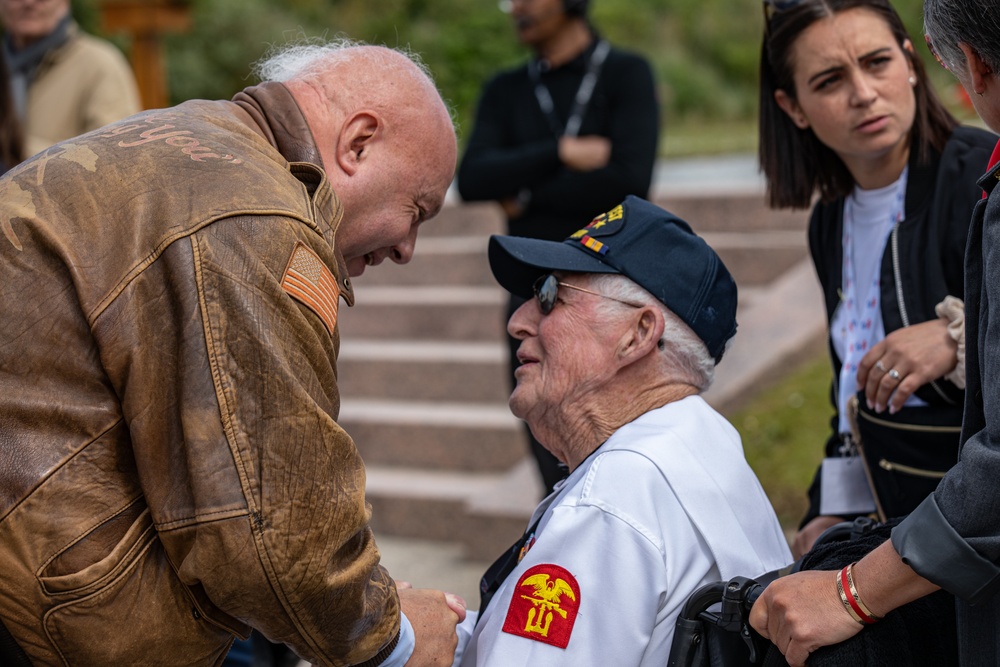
[666,505]
[869,217]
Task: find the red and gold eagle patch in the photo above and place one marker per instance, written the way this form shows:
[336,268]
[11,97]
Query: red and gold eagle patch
[544,606]
[307,279]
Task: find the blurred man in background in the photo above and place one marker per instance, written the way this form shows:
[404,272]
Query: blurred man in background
[561,138]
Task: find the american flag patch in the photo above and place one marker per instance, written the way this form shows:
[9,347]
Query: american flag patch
[308,280]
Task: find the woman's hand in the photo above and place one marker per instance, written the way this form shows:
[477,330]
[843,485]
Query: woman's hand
[906,359]
[802,612]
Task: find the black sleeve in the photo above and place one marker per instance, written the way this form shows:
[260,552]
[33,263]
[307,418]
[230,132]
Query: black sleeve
[634,133]
[493,166]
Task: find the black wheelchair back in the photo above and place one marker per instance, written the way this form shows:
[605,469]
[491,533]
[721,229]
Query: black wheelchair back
[713,628]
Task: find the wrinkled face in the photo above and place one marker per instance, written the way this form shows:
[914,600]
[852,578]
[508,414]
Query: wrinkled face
[566,356]
[400,188]
[30,20]
[537,21]
[853,87]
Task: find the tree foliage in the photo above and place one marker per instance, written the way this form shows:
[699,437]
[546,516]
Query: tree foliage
[704,52]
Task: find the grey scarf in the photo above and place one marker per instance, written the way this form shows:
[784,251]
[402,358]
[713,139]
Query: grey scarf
[24,63]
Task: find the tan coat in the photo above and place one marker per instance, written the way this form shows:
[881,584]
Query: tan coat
[171,468]
[84,84]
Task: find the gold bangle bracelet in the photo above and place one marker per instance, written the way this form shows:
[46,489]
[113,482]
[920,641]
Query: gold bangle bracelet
[857,598]
[846,602]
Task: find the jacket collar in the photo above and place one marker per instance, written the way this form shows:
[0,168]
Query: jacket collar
[988,181]
[277,117]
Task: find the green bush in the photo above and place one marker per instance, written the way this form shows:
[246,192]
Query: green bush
[704,52]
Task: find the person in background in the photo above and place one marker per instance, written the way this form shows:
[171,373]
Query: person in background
[64,82]
[847,113]
[11,151]
[172,473]
[629,319]
[952,539]
[561,138]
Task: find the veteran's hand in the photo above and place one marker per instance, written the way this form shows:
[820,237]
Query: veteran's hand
[806,538]
[905,360]
[802,612]
[584,153]
[433,615]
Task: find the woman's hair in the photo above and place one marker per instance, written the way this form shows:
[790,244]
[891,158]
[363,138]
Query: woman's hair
[683,355]
[974,22]
[11,140]
[796,163]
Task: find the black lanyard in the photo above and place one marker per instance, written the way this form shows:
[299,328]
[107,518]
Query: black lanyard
[583,93]
[503,566]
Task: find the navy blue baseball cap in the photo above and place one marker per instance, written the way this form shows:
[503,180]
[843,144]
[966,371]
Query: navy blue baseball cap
[643,242]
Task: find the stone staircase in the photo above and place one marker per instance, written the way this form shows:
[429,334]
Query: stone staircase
[423,364]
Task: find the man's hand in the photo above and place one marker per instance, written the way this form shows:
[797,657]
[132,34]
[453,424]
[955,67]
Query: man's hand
[433,615]
[584,153]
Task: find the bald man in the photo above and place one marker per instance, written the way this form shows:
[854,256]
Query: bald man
[172,473]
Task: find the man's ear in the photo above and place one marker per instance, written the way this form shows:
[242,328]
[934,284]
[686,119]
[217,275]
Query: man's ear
[979,71]
[788,104]
[642,337]
[356,137]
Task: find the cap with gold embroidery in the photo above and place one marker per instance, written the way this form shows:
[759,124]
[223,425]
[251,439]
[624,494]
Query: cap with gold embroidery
[645,243]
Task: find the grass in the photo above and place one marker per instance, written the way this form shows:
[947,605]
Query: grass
[686,137]
[784,429]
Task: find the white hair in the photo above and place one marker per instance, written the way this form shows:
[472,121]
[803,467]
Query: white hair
[684,355]
[308,56]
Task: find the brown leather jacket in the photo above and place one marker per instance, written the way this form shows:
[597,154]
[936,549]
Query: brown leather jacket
[171,468]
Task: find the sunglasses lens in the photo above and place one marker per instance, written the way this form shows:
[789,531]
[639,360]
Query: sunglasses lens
[546,290]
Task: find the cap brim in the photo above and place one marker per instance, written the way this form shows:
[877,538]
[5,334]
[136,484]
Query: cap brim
[517,262]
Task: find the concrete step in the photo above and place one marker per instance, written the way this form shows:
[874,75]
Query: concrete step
[739,211]
[437,260]
[426,312]
[754,258]
[485,513]
[446,436]
[425,370]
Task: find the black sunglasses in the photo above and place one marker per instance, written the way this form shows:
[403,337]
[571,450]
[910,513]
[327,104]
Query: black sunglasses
[546,290]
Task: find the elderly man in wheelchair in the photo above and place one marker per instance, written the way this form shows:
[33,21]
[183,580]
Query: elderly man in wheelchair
[629,318]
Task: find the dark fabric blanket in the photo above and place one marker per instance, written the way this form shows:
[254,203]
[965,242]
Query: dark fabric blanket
[922,632]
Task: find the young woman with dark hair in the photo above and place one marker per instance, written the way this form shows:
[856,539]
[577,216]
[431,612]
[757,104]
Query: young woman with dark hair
[951,541]
[847,113]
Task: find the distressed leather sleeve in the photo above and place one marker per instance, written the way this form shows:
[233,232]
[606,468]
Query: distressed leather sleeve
[229,387]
